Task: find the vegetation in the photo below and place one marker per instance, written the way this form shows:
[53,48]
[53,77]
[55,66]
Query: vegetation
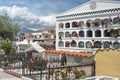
[6,47]
[8,31]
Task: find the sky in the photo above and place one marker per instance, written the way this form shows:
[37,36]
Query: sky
[36,14]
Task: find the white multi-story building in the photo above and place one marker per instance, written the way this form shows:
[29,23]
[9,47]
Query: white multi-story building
[92,25]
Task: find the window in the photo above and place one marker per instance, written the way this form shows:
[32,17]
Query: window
[67,44]
[97,33]
[73,43]
[74,34]
[61,44]
[89,33]
[81,33]
[67,25]
[107,33]
[46,36]
[97,44]
[67,34]
[88,44]
[61,25]
[116,45]
[106,44]
[88,23]
[74,24]
[81,44]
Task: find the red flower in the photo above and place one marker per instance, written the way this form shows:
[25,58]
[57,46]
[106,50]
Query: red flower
[33,59]
[29,66]
[91,46]
[73,41]
[92,40]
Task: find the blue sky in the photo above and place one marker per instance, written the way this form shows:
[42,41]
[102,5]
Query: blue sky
[35,14]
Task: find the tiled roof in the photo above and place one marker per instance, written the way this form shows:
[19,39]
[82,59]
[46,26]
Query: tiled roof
[82,54]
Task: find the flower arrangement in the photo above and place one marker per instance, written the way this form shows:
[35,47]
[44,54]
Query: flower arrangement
[78,73]
[88,24]
[96,24]
[91,46]
[63,73]
[73,42]
[30,68]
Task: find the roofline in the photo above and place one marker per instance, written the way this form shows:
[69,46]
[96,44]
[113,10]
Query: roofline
[62,14]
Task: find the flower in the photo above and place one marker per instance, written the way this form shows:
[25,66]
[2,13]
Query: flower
[33,59]
[91,46]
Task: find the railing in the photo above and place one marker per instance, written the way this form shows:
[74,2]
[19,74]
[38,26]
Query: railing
[40,69]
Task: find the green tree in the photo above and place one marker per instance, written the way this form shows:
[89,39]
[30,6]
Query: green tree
[6,47]
[8,30]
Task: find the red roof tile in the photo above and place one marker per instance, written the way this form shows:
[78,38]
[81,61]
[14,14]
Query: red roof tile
[82,54]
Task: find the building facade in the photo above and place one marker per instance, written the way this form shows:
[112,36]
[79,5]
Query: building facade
[93,25]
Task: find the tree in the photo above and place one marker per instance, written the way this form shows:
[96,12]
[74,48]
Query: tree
[6,47]
[8,30]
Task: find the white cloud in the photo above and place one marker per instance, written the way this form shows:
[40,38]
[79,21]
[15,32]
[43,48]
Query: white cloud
[48,19]
[25,18]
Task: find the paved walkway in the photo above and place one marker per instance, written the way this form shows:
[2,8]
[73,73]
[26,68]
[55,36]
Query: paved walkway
[5,76]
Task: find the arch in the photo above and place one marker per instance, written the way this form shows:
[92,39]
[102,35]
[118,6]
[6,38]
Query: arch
[74,24]
[107,33]
[106,44]
[81,44]
[73,43]
[67,25]
[81,23]
[67,44]
[116,20]
[88,23]
[61,44]
[88,44]
[97,33]
[81,33]
[97,44]
[61,25]
[97,22]
[89,33]
[67,34]
[74,34]
[61,34]
[116,45]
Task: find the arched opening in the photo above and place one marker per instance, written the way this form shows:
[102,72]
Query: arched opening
[97,44]
[116,45]
[88,23]
[67,34]
[61,35]
[106,22]
[81,23]
[97,33]
[67,25]
[73,43]
[116,20]
[97,22]
[74,34]
[74,24]
[61,25]
[81,44]
[106,44]
[107,33]
[67,44]
[61,44]
[88,44]
[89,33]
[81,33]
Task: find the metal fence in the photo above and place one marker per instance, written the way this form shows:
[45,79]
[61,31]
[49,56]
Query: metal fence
[40,69]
